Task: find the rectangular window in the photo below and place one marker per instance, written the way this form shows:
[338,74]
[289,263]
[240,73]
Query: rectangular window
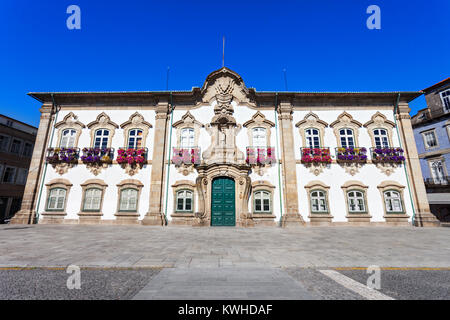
[429,139]
[15,146]
[22,176]
[56,199]
[128,200]
[445,97]
[4,143]
[27,149]
[92,199]
[9,175]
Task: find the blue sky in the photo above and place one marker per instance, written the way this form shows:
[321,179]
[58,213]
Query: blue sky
[128,45]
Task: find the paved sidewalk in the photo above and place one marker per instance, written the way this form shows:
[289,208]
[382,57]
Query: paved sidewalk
[187,247]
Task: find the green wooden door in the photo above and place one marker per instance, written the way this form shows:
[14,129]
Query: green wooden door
[222,202]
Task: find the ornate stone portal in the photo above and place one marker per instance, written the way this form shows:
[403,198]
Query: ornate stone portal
[223,158]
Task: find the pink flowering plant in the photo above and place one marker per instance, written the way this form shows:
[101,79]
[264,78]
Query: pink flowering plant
[315,155]
[186,156]
[251,157]
[260,155]
[62,155]
[131,156]
[270,159]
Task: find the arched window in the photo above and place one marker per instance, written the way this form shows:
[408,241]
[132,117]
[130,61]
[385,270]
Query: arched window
[381,138]
[262,202]
[101,138]
[68,138]
[128,200]
[318,201]
[393,201]
[259,137]
[92,199]
[347,138]
[312,138]
[135,139]
[184,201]
[56,199]
[356,201]
[187,138]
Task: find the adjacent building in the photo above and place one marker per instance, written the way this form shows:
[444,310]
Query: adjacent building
[225,155]
[432,133]
[16,147]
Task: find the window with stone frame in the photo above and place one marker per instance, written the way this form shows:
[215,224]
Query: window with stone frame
[393,201]
[445,97]
[56,199]
[135,138]
[347,138]
[312,137]
[101,138]
[356,201]
[429,139]
[259,137]
[319,201]
[262,202]
[184,201]
[438,171]
[187,138]
[68,137]
[92,199]
[380,130]
[381,138]
[128,199]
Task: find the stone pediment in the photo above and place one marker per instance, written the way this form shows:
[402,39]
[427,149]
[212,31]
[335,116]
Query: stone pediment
[224,86]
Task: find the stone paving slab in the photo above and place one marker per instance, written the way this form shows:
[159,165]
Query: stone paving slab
[143,246]
[223,284]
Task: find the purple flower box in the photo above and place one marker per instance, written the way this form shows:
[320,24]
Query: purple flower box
[388,155]
[97,155]
[62,155]
[351,154]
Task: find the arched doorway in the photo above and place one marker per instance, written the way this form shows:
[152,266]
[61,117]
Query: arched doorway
[223,211]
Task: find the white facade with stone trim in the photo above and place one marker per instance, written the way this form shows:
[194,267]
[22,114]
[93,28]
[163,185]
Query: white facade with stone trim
[217,113]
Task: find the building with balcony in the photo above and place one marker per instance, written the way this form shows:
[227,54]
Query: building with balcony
[225,155]
[16,148]
[431,127]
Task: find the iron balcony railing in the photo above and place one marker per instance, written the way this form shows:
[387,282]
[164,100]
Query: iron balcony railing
[260,155]
[132,155]
[387,155]
[352,154]
[315,155]
[97,155]
[442,181]
[186,155]
[62,155]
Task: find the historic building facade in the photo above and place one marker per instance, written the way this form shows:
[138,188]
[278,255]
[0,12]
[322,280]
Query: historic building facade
[225,155]
[16,147]
[432,133]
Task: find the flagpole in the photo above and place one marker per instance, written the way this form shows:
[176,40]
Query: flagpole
[223,52]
